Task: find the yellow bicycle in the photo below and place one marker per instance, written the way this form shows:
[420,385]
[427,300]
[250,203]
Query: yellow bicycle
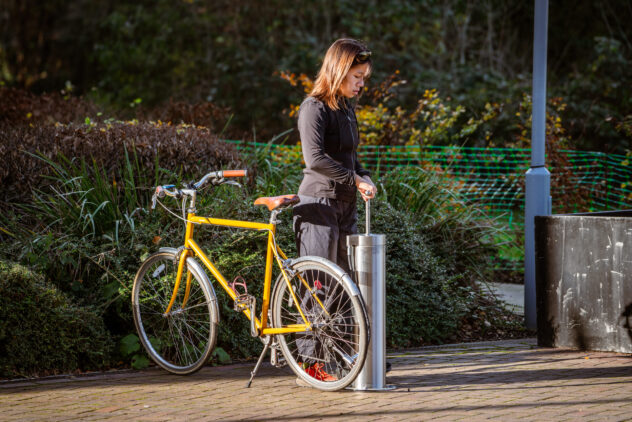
[314,315]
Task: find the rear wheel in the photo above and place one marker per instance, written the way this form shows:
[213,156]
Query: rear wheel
[331,355]
[182,340]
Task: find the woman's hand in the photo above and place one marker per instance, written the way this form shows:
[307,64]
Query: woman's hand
[366,187]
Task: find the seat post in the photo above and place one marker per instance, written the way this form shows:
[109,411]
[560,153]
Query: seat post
[273,216]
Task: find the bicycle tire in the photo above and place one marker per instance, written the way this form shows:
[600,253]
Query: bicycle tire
[331,356]
[181,341]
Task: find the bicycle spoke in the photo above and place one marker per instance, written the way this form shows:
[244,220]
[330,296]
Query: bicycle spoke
[329,354]
[185,336]
[185,347]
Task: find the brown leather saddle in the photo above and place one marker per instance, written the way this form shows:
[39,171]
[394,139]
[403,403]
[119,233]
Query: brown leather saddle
[278,202]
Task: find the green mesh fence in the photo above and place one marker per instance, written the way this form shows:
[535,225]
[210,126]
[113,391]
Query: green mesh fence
[488,177]
[493,178]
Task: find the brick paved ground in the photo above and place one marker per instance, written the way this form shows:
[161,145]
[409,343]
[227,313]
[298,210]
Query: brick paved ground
[507,380]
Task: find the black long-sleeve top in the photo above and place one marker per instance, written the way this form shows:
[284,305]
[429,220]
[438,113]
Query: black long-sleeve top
[329,139]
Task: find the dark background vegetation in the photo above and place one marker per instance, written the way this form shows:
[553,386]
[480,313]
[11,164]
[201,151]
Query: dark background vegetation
[126,54]
[78,225]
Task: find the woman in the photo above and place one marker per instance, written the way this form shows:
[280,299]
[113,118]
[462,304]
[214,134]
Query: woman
[329,138]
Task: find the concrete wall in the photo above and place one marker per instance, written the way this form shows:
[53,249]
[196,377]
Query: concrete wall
[584,281]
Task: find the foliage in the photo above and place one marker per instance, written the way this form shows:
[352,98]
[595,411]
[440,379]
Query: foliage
[220,356]
[625,126]
[460,234]
[276,170]
[425,280]
[484,319]
[130,348]
[43,331]
[434,121]
[211,116]
[20,107]
[570,196]
[598,97]
[85,202]
[88,226]
[181,148]
[424,300]
[227,52]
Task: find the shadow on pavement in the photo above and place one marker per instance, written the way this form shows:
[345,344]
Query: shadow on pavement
[412,371]
[499,358]
[488,376]
[153,376]
[423,410]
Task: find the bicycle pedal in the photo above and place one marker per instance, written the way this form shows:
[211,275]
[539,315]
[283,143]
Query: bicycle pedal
[243,302]
[247,302]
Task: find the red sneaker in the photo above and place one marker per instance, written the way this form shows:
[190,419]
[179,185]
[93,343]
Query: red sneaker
[316,371]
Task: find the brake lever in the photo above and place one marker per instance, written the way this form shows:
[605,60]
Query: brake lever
[232,182]
[158,193]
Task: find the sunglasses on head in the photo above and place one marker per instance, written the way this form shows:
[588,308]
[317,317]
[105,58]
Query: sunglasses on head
[363,56]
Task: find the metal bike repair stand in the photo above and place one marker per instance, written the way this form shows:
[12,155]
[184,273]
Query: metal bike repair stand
[367,260]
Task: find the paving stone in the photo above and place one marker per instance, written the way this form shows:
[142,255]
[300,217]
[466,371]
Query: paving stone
[506,380]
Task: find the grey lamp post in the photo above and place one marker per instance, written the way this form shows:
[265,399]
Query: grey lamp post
[538,178]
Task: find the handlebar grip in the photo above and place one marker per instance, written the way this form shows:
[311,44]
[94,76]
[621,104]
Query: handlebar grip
[234,173]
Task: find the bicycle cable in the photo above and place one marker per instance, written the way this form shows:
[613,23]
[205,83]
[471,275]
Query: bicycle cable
[174,214]
[183,218]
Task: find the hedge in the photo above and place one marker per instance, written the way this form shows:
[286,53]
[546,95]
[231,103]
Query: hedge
[43,331]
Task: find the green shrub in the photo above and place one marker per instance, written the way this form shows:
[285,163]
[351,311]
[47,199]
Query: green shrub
[181,149]
[23,108]
[42,331]
[424,300]
[429,236]
[460,234]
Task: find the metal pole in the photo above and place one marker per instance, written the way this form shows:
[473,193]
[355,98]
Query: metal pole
[538,178]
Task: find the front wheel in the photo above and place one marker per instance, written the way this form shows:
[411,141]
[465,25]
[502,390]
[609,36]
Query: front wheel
[182,339]
[331,355]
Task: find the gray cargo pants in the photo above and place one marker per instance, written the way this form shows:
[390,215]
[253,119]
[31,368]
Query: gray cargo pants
[321,226]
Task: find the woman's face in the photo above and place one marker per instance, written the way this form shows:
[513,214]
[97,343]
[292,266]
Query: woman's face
[354,81]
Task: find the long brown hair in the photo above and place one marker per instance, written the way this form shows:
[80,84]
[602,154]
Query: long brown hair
[340,57]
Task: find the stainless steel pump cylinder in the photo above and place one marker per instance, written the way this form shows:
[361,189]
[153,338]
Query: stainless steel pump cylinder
[367,259]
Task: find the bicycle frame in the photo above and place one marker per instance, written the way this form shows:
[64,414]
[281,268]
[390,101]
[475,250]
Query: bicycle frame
[273,252]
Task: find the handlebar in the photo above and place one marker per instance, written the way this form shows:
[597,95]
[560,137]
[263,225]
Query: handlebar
[216,178]
[161,191]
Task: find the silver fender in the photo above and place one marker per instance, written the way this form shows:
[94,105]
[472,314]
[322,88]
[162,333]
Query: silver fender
[340,273]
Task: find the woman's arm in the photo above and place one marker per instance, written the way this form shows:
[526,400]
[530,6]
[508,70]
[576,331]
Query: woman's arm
[311,126]
[363,180]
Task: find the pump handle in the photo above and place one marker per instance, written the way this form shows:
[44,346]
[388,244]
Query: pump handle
[368,216]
